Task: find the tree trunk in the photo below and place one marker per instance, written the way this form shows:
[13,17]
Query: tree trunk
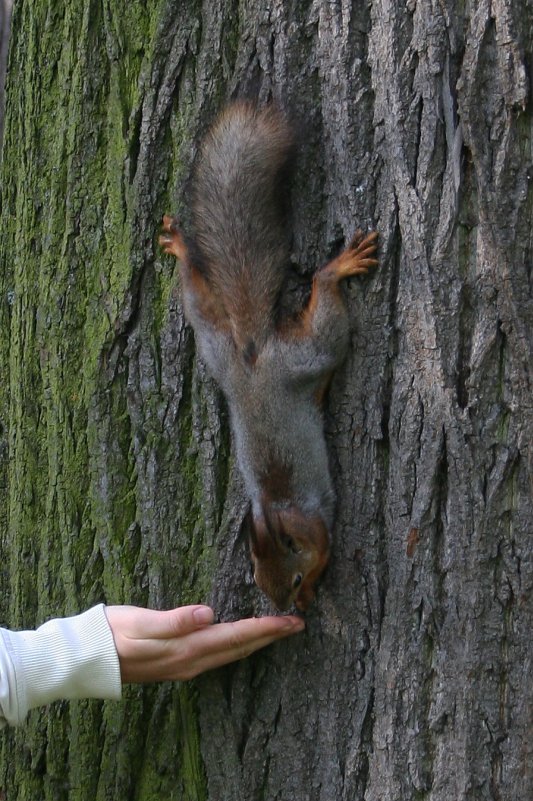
[5,15]
[413,679]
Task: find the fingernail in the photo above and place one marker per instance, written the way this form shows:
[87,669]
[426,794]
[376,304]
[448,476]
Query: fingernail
[295,623]
[203,615]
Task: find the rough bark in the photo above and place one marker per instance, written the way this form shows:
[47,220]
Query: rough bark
[413,680]
[5,16]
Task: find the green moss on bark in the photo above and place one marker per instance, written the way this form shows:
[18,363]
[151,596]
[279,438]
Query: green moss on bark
[81,520]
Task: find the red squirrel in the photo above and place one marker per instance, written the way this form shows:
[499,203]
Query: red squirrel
[273,369]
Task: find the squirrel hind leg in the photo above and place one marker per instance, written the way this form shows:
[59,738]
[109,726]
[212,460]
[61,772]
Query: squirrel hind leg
[171,240]
[356,259]
[325,304]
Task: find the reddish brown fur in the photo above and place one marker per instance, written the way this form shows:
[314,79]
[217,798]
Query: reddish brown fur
[355,260]
[171,239]
[322,391]
[238,226]
[278,539]
[233,269]
[211,307]
[276,481]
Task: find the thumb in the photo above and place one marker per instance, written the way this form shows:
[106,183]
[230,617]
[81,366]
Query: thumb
[138,623]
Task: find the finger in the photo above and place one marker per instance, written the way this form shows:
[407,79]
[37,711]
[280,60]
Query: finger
[239,635]
[228,642]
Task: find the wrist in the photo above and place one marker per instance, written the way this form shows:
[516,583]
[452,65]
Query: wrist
[71,657]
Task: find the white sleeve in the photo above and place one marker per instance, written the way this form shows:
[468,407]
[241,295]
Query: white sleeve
[73,657]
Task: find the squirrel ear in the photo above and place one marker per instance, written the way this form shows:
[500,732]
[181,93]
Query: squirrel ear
[259,535]
[247,528]
[267,534]
[275,530]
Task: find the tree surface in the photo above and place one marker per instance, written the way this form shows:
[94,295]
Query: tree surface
[413,680]
[5,16]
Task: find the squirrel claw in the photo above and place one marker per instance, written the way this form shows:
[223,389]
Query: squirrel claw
[356,239]
[359,238]
[169,223]
[171,239]
[355,259]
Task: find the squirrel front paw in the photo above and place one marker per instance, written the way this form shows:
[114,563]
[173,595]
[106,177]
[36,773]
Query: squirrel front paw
[306,596]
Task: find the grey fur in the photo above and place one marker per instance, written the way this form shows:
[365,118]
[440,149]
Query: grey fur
[239,237]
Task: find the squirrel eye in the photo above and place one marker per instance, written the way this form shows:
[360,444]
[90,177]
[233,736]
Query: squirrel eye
[297,581]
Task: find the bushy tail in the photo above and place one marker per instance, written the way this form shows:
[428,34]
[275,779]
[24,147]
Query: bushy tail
[239,236]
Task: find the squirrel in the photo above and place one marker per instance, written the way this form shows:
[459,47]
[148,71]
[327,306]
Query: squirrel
[273,369]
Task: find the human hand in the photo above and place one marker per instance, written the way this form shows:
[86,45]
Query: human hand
[180,643]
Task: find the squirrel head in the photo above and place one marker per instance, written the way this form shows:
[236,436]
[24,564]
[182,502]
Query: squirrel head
[289,552]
